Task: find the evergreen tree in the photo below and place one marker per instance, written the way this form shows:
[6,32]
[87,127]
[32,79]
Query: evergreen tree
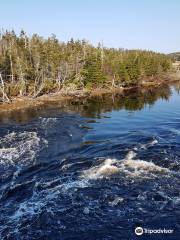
[33,65]
[92,73]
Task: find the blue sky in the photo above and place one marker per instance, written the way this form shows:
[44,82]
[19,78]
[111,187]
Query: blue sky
[144,24]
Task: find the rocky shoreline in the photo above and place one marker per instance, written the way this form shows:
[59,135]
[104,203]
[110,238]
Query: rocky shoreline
[23,103]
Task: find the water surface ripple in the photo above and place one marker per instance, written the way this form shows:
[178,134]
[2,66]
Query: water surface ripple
[94,169]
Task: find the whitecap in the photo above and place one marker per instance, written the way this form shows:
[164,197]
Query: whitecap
[47,122]
[104,170]
[40,199]
[116,201]
[129,166]
[149,144]
[20,147]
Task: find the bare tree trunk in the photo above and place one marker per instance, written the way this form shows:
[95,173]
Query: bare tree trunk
[10,58]
[62,75]
[22,80]
[113,81]
[39,83]
[12,72]
[102,55]
[84,53]
[2,89]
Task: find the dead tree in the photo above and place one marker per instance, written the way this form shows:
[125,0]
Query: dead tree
[114,85]
[39,84]
[5,98]
[11,62]
[63,73]
[102,55]
[22,80]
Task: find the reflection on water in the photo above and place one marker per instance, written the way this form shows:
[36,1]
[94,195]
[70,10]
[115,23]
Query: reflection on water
[93,168]
[93,107]
[136,100]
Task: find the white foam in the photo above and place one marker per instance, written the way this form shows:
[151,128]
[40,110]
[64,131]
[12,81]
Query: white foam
[39,200]
[130,155]
[128,166]
[43,200]
[104,170]
[47,122]
[150,144]
[116,201]
[141,167]
[137,167]
[22,147]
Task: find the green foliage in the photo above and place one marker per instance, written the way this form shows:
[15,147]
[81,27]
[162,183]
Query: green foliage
[31,64]
[123,76]
[92,73]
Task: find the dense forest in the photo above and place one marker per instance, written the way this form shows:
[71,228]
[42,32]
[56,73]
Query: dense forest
[32,66]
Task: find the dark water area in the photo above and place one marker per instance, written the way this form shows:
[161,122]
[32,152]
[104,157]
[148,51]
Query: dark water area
[92,169]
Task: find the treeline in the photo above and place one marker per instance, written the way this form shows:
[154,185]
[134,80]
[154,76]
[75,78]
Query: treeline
[175,56]
[32,66]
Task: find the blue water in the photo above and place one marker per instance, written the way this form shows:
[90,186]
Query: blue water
[92,169]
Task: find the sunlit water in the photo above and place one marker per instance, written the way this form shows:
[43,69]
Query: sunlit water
[93,169]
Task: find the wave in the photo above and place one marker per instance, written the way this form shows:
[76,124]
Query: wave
[128,166]
[20,147]
[47,121]
[146,145]
[104,170]
[44,198]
